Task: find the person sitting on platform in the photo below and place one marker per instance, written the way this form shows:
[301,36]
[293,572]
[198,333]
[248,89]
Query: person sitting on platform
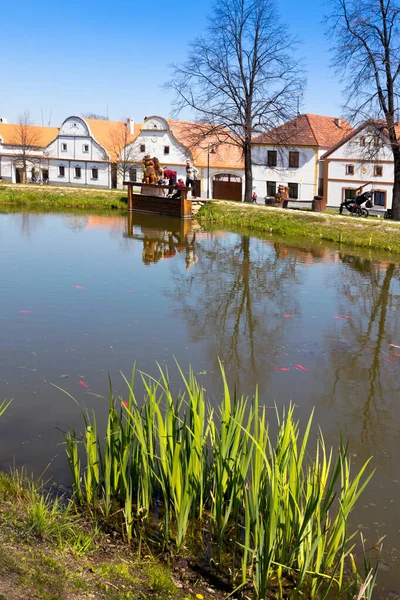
[180,184]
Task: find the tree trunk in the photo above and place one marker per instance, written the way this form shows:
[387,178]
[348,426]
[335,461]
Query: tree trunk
[248,172]
[396,186]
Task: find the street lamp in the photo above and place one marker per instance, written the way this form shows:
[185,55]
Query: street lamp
[209,151]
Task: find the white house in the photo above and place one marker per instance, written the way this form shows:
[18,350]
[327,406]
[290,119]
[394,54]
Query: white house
[12,155]
[290,155]
[363,159]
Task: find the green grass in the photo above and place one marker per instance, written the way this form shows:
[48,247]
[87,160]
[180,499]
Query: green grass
[275,509]
[53,198]
[351,231]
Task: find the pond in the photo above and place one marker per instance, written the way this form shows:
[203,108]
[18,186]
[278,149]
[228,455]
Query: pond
[84,295]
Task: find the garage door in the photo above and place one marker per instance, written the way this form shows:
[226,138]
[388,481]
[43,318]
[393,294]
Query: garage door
[227,187]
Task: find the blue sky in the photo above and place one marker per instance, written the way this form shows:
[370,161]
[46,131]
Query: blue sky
[76,57]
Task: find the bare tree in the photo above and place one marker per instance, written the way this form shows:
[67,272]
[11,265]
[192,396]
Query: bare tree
[241,77]
[92,115]
[27,139]
[124,151]
[366,49]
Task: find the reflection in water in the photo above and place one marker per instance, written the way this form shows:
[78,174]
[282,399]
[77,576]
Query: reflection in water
[369,300]
[163,240]
[306,322]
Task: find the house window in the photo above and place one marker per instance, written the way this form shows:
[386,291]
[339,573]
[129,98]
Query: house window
[86,147]
[95,173]
[78,172]
[293,160]
[293,190]
[132,174]
[61,171]
[349,169]
[64,147]
[349,194]
[272,156]
[142,148]
[378,170]
[271,188]
[379,198]
[166,149]
[362,141]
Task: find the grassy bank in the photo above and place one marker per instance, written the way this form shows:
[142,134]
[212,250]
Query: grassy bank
[49,551]
[365,233]
[54,198]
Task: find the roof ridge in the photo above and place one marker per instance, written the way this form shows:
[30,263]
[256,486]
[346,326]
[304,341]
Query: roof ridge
[312,130]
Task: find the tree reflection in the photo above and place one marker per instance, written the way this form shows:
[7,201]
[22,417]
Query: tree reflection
[235,301]
[369,299]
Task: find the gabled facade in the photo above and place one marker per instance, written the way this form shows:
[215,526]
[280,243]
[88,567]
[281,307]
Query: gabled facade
[290,155]
[171,142]
[363,159]
[75,157]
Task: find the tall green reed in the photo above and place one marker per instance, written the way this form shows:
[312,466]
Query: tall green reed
[276,510]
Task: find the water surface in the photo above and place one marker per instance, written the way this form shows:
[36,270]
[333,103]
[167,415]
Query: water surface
[82,296]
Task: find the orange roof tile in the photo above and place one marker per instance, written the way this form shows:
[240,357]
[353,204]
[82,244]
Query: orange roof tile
[40,136]
[307,130]
[226,155]
[107,134]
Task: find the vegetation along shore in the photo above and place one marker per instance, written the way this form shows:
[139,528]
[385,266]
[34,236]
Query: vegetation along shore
[220,500]
[366,233]
[54,198]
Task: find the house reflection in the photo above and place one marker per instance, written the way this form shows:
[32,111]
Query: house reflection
[162,237]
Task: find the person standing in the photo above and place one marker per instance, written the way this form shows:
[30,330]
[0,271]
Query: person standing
[254,199]
[191,176]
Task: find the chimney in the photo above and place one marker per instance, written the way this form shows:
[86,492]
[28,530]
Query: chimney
[130,123]
[338,122]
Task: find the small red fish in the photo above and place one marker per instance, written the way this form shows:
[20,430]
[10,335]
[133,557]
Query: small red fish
[388,361]
[83,384]
[288,316]
[25,312]
[124,402]
[301,368]
[347,292]
[394,354]
[78,287]
[394,346]
[341,318]
[129,291]
[281,369]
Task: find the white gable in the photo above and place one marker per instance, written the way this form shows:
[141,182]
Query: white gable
[362,147]
[74,126]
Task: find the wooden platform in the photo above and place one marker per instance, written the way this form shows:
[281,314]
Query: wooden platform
[157,203]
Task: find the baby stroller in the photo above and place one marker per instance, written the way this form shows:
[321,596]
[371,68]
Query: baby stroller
[354,205]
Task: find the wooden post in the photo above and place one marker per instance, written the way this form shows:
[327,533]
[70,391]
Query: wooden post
[130,224]
[183,202]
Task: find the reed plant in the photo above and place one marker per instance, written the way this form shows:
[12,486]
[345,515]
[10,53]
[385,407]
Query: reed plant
[276,509]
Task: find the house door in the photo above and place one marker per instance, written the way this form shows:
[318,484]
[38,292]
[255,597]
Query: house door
[19,175]
[45,174]
[227,187]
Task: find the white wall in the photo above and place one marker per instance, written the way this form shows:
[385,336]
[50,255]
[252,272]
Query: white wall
[306,175]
